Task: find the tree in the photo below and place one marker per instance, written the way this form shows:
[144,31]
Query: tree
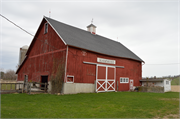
[10,75]
[1,75]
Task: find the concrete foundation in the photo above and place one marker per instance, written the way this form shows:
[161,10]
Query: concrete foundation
[20,86]
[73,88]
[49,87]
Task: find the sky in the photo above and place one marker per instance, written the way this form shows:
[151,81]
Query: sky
[149,28]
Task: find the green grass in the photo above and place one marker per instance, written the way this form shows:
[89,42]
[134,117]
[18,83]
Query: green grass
[175,81]
[91,105]
[7,86]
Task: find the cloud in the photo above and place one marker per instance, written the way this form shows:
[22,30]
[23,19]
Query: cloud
[148,28]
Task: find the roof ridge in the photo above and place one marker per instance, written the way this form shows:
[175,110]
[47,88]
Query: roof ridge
[68,24]
[74,36]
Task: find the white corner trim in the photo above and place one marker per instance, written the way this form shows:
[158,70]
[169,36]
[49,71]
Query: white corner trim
[66,65]
[56,32]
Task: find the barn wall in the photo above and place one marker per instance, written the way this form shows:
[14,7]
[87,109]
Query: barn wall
[86,73]
[45,50]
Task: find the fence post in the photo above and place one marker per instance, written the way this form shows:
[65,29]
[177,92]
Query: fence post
[117,85]
[15,86]
[22,88]
[11,86]
[29,88]
[6,86]
[95,86]
[45,87]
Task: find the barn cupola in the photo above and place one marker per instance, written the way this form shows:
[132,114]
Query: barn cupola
[91,28]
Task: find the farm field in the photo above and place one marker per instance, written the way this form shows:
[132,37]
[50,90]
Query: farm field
[91,105]
[7,86]
[175,88]
[175,81]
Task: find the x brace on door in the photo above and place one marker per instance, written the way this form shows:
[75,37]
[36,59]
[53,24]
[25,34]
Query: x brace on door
[105,78]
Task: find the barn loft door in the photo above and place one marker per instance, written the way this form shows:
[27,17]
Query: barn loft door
[105,78]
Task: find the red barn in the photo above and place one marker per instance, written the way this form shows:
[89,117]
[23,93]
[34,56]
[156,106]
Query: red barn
[91,63]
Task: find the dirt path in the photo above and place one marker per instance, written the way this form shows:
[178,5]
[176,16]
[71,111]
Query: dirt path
[175,88]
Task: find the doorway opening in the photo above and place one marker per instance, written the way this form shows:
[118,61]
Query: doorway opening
[44,79]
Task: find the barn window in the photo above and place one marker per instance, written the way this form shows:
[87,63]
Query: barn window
[46,28]
[70,79]
[124,80]
[167,82]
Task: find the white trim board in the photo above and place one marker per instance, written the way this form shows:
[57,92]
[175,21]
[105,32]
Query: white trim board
[66,64]
[102,64]
[56,31]
[70,76]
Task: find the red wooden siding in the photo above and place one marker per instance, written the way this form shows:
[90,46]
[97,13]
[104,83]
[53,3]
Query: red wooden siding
[101,72]
[43,50]
[111,72]
[86,73]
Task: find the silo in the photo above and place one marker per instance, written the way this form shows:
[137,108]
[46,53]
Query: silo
[22,53]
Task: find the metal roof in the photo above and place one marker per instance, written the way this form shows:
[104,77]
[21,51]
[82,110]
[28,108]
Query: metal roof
[76,37]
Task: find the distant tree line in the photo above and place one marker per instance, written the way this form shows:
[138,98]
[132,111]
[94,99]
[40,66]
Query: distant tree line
[154,77]
[8,75]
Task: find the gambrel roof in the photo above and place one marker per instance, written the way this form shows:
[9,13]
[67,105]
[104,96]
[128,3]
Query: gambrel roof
[76,37]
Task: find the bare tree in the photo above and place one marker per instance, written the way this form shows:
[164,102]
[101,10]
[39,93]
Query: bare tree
[10,75]
[1,75]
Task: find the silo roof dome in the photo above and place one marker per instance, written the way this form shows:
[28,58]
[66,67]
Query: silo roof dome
[25,47]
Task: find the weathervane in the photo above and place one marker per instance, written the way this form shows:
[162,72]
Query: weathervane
[49,13]
[92,21]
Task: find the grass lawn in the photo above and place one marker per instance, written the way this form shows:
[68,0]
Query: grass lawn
[175,81]
[91,105]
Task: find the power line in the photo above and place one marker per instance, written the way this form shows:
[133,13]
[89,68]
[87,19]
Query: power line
[164,64]
[16,25]
[56,48]
[26,31]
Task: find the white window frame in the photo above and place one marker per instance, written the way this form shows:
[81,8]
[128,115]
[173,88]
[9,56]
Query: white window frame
[70,76]
[125,78]
[167,82]
[46,24]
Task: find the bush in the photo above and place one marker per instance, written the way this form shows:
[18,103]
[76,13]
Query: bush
[57,76]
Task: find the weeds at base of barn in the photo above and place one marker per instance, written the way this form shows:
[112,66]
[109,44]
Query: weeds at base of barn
[57,76]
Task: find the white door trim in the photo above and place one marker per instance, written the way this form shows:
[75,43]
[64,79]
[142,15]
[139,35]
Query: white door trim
[106,80]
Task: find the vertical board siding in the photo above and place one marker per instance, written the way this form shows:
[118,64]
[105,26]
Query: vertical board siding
[86,73]
[45,48]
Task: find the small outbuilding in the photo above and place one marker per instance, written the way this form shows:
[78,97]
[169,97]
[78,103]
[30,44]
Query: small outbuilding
[166,83]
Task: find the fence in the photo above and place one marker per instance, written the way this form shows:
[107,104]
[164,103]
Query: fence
[24,87]
[11,87]
[156,89]
[37,87]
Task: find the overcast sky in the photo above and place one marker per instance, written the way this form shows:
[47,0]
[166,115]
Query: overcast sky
[149,28]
